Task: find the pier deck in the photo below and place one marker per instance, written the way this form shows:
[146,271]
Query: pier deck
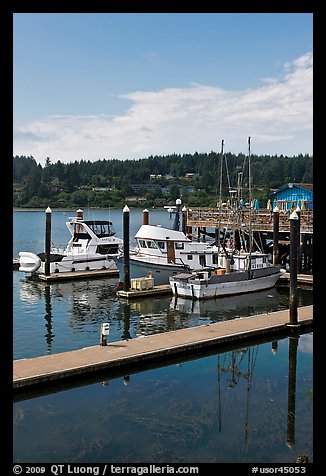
[73,275]
[36,372]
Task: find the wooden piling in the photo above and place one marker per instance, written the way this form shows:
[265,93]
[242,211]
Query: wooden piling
[176,225]
[184,220]
[126,257]
[276,225]
[48,217]
[145,217]
[294,238]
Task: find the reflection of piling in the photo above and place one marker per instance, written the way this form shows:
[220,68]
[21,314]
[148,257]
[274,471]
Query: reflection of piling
[126,257]
[126,322]
[145,217]
[274,347]
[276,225]
[48,317]
[48,214]
[293,345]
[294,239]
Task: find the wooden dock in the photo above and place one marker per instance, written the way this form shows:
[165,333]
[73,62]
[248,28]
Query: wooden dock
[40,372]
[301,279]
[74,275]
[157,290]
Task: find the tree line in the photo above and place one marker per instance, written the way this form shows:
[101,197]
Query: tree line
[109,183]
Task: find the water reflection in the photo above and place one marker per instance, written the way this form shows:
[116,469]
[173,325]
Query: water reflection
[225,408]
[74,311]
[48,317]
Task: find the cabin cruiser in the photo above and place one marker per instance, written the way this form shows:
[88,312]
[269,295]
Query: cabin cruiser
[163,252]
[92,246]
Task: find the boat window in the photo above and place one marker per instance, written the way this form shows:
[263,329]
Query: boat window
[179,246]
[202,260]
[101,228]
[215,258]
[151,244]
[142,243]
[161,245]
[189,257]
[107,249]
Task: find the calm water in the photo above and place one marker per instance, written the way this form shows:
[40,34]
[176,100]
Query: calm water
[231,407]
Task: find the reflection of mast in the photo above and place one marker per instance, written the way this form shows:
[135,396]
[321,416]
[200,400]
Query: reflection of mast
[252,356]
[293,346]
[48,317]
[219,393]
[233,367]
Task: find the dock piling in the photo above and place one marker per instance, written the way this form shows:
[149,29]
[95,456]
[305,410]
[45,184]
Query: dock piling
[126,257]
[294,239]
[276,225]
[145,217]
[48,217]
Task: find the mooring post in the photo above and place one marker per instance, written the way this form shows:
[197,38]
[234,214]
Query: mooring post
[145,217]
[48,217]
[184,220]
[294,238]
[298,210]
[126,220]
[176,225]
[105,331]
[276,225]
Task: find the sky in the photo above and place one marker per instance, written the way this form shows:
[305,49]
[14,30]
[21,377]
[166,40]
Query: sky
[93,86]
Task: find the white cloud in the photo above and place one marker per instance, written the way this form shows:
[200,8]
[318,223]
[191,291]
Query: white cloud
[278,117]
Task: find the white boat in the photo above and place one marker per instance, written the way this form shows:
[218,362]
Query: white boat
[164,252]
[239,272]
[214,283]
[92,246]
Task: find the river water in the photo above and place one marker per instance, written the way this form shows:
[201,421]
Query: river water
[229,407]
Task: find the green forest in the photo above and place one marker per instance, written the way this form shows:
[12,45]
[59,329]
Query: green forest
[152,181]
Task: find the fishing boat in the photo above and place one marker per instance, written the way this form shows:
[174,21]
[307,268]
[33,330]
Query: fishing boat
[239,271]
[92,246]
[214,283]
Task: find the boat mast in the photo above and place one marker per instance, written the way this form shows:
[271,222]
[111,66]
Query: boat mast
[220,196]
[250,209]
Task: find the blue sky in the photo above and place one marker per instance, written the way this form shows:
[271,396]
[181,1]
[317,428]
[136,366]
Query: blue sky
[108,85]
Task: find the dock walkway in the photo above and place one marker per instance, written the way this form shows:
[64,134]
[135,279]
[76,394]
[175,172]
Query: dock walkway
[57,368]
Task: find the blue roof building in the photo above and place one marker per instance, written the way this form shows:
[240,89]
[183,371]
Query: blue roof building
[293,195]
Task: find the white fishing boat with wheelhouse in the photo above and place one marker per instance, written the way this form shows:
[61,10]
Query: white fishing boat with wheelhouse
[241,271]
[92,246]
[230,280]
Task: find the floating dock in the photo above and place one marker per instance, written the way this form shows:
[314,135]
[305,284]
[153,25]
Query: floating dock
[58,369]
[74,275]
[301,279]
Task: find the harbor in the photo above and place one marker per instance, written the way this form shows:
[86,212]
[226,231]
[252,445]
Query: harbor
[58,359]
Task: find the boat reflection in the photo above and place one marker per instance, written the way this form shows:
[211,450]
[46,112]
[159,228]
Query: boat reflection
[229,307]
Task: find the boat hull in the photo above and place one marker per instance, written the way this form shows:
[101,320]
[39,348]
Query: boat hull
[31,263]
[139,269]
[208,290]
